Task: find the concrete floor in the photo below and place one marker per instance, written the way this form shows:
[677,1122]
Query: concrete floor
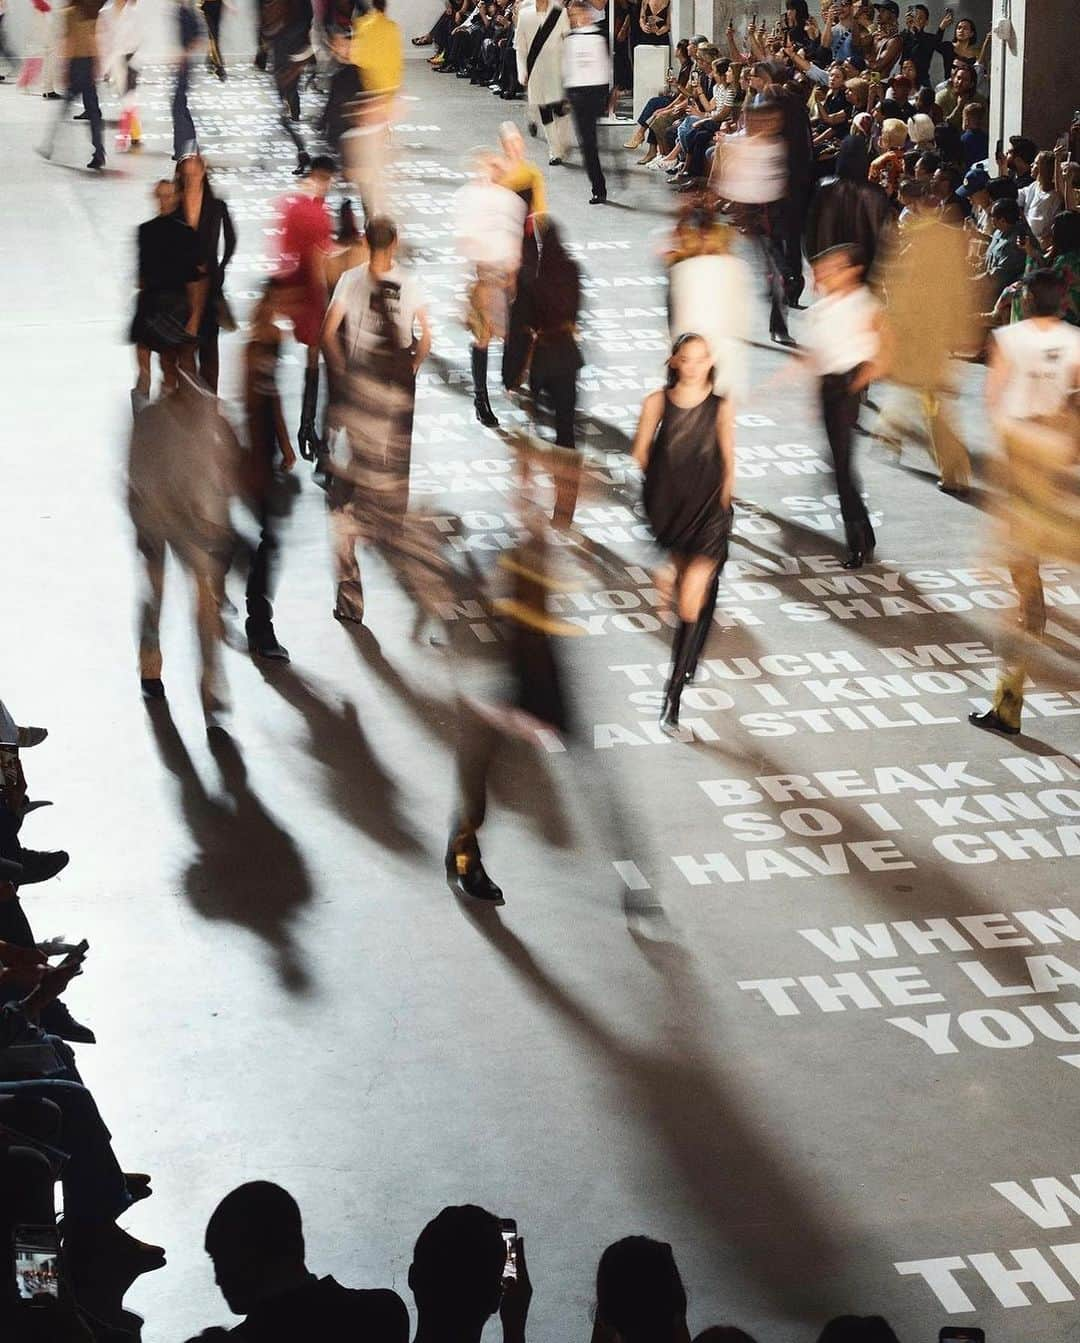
[280,981]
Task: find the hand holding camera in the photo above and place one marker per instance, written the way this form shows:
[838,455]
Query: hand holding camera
[517,1289]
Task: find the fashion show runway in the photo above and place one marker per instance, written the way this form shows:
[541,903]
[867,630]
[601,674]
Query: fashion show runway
[799,994]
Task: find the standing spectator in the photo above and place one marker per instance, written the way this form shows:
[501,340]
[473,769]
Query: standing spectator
[586,78]
[1019,161]
[920,44]
[541,27]
[255,1240]
[957,94]
[849,346]
[1031,389]
[1040,200]
[80,50]
[974,141]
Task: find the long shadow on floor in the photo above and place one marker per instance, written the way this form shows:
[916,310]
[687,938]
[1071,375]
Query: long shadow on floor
[751,1200]
[356,783]
[248,869]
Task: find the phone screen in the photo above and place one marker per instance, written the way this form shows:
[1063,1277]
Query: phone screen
[37,1262]
[508,1227]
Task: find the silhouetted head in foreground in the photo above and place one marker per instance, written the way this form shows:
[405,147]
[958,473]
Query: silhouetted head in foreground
[256,1241]
[857,1329]
[639,1293]
[457,1269]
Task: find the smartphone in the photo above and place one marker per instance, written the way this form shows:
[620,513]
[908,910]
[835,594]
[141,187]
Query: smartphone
[37,1263]
[509,1230]
[961,1334]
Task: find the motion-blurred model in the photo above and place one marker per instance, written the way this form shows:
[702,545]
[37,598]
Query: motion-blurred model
[1033,392]
[375,338]
[541,27]
[685,445]
[181,476]
[489,222]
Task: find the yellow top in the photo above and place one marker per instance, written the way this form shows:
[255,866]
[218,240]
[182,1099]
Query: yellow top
[377,52]
[527,181]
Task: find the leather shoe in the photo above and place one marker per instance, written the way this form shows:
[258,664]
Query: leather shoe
[991,722]
[466,873]
[41,866]
[598,200]
[57,1020]
[264,644]
[857,558]
[783,338]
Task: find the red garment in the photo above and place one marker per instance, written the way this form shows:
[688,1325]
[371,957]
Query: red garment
[42,6]
[304,228]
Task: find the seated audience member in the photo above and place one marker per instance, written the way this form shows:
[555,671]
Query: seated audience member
[640,1297]
[853,157]
[974,141]
[102,1259]
[925,105]
[1062,258]
[1040,199]
[1019,160]
[924,166]
[255,1239]
[944,186]
[915,202]
[947,143]
[1005,255]
[458,1281]
[888,168]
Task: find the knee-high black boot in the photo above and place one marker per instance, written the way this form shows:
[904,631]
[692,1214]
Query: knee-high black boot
[481,404]
[307,440]
[680,655]
[699,632]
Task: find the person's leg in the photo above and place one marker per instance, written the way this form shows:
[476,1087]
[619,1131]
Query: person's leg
[152,553]
[344,535]
[840,410]
[212,15]
[307,437]
[260,584]
[477,742]
[208,587]
[954,464]
[208,361]
[184,137]
[583,107]
[93,112]
[94,1187]
[142,381]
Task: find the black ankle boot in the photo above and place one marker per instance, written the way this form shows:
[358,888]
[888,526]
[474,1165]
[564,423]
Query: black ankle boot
[465,871]
[700,631]
[681,649]
[481,404]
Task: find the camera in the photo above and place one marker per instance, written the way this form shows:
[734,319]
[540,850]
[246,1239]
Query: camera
[38,1275]
[509,1230]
